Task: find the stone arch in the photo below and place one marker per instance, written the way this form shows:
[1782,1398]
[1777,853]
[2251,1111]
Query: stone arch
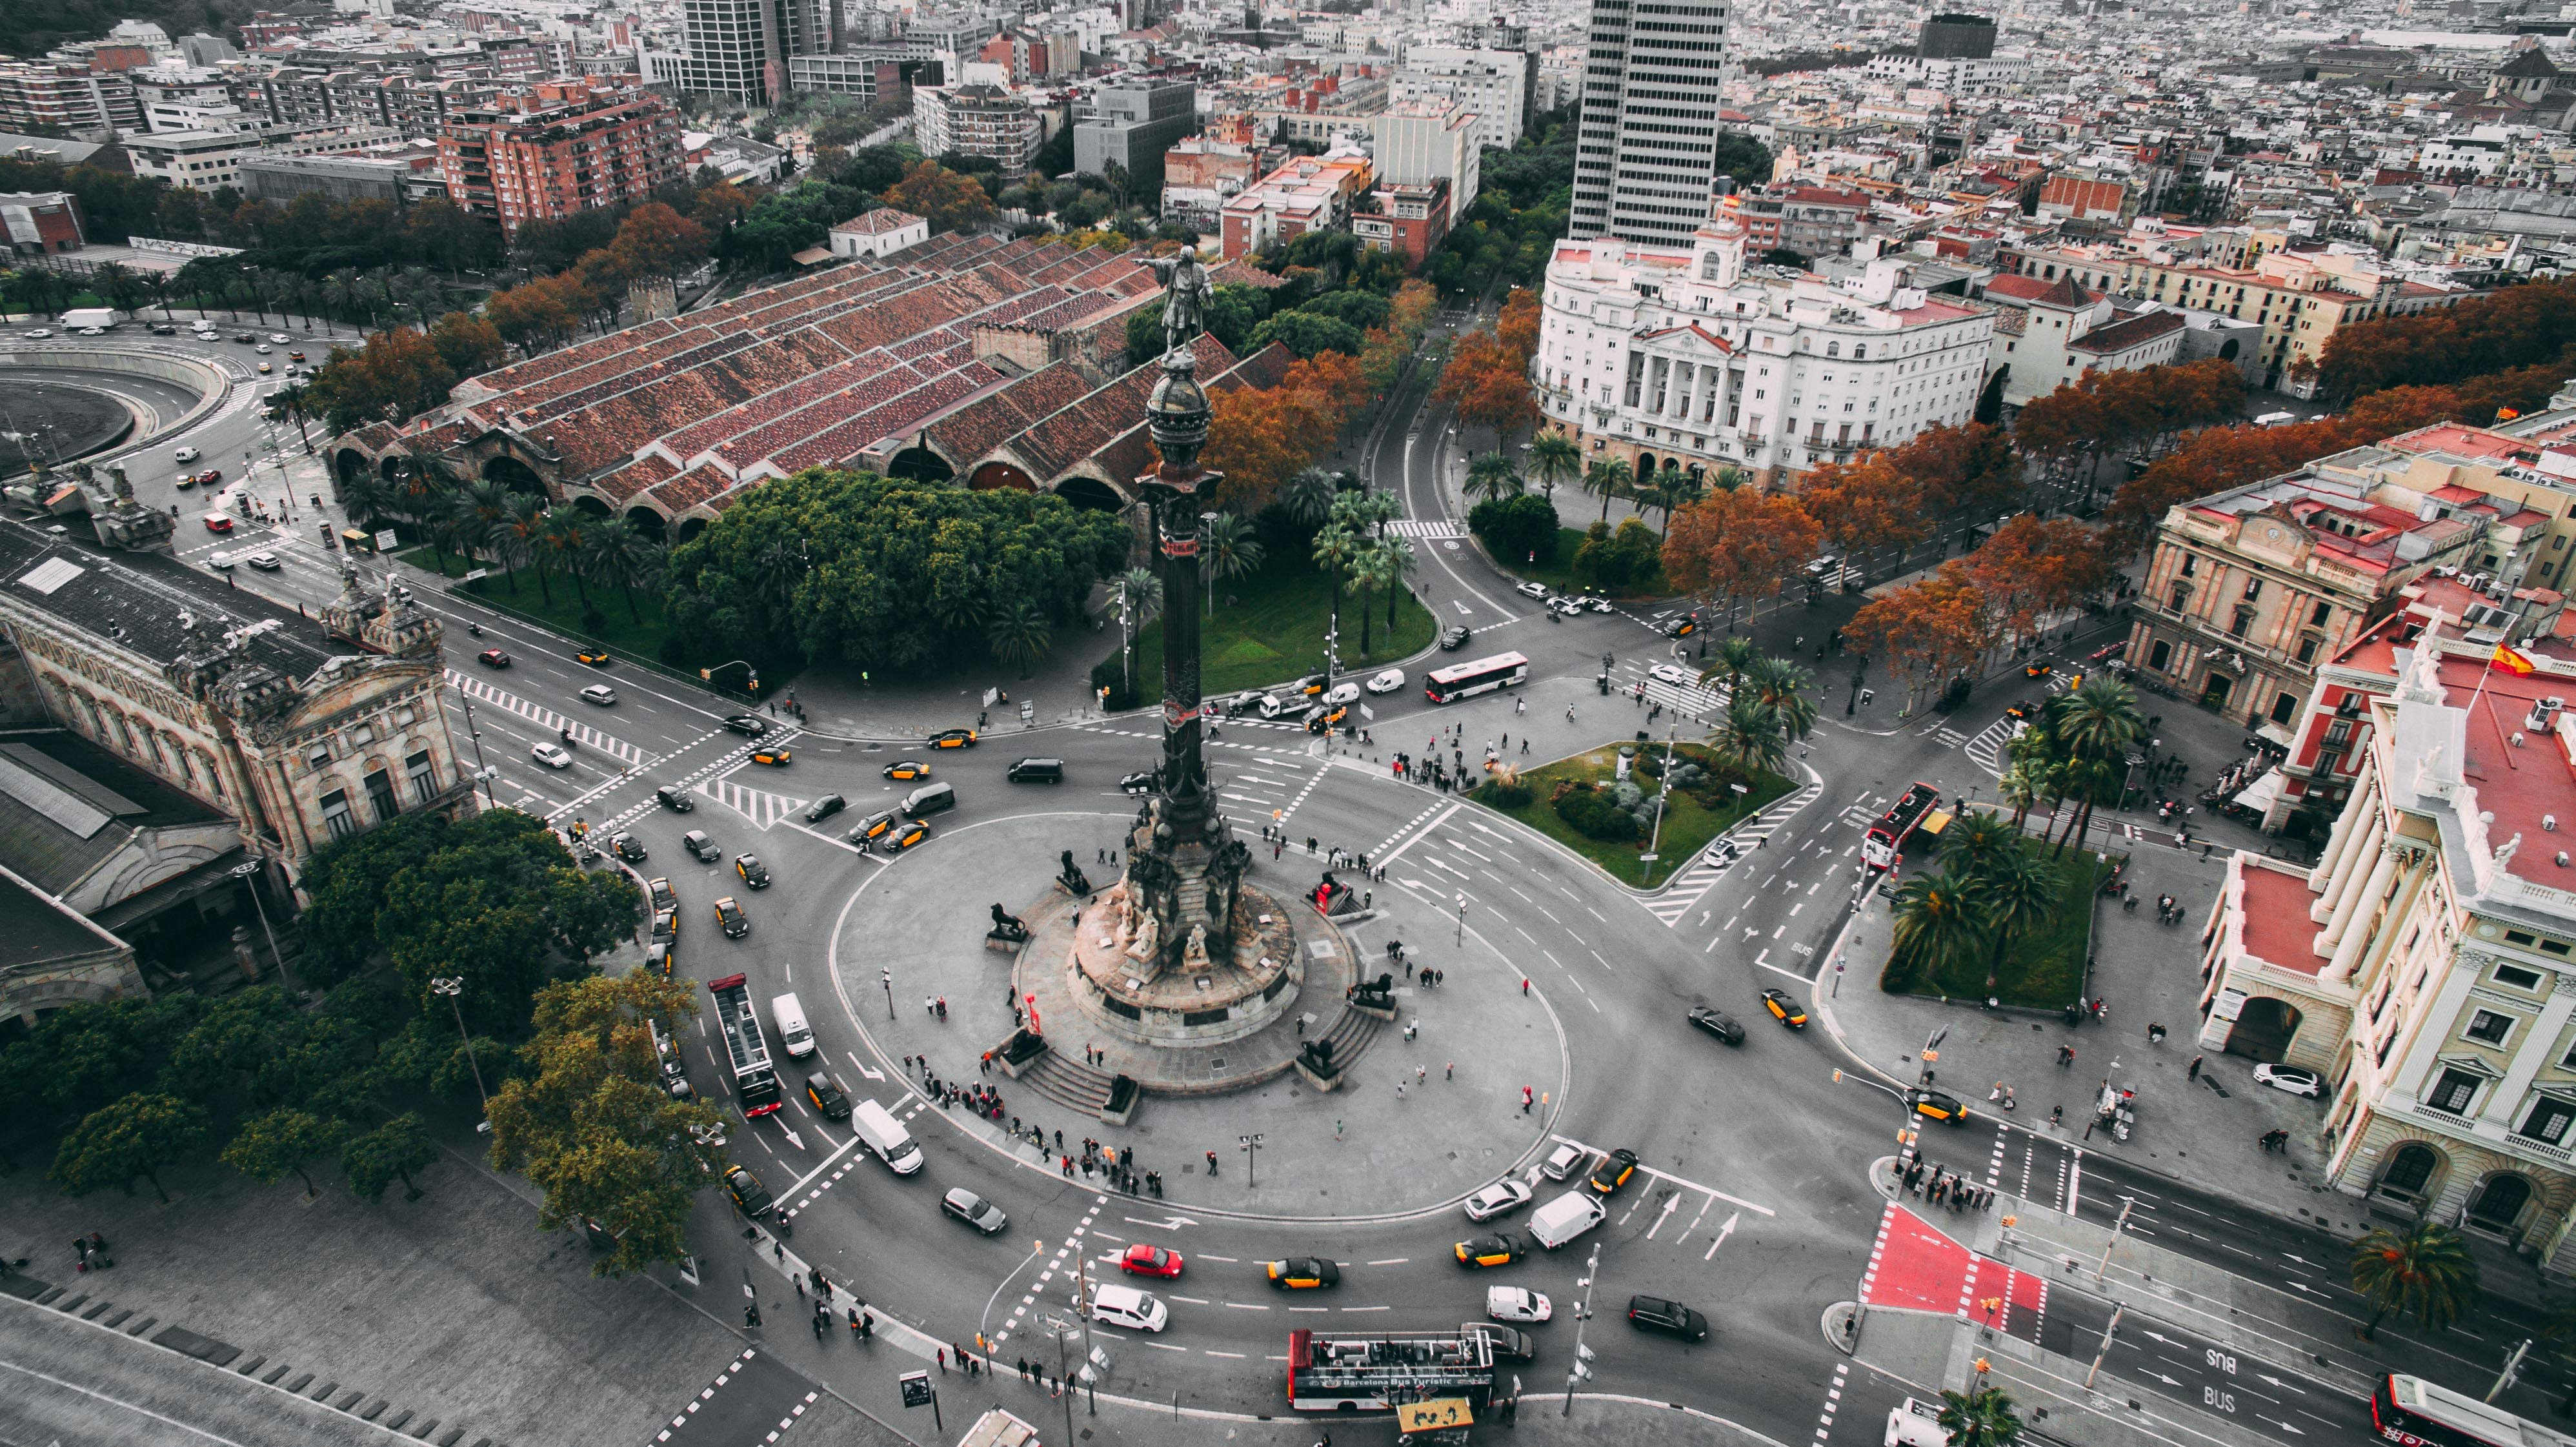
[2501,1201]
[1645,466]
[689,528]
[921,464]
[348,464]
[389,467]
[513,474]
[1090,492]
[2228,350]
[2264,1027]
[2412,1174]
[590,506]
[1000,474]
[648,522]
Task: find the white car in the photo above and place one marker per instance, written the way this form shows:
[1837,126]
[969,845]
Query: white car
[1534,590]
[1677,677]
[2295,1079]
[220,562]
[1564,1161]
[1503,1195]
[1516,1303]
[39,334]
[93,331]
[1598,603]
[1342,693]
[187,454]
[262,349]
[1387,682]
[280,338]
[600,694]
[550,755]
[1563,606]
[1723,853]
[265,562]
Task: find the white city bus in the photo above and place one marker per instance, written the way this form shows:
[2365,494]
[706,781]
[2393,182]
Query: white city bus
[1484,675]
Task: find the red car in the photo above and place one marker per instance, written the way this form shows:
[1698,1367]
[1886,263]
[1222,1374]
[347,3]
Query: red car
[211,474]
[1143,1260]
[493,658]
[218,523]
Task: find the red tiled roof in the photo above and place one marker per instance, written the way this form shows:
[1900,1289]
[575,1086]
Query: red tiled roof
[2137,331]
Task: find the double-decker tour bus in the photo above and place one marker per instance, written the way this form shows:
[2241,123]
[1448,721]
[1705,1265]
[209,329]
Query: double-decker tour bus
[1885,840]
[2413,1412]
[755,1083]
[1333,1372]
[1483,675]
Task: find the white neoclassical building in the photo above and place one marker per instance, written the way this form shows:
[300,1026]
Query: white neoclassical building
[1651,353]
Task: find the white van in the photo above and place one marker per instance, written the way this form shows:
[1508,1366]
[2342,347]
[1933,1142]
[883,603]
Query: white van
[885,1135]
[794,1034]
[1126,1306]
[1915,1423]
[1565,1218]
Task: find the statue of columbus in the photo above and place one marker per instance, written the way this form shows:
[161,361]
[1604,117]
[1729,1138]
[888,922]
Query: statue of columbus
[1186,291]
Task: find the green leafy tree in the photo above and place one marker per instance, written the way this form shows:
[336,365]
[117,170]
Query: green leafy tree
[84,1055]
[1933,921]
[1781,686]
[269,1147]
[1611,478]
[1307,497]
[1982,1416]
[1335,548]
[1231,550]
[1751,738]
[136,1135]
[1020,635]
[2012,897]
[1307,334]
[2096,722]
[617,554]
[389,1153]
[1978,843]
[2423,1271]
[1554,461]
[1516,530]
[1730,663]
[1491,476]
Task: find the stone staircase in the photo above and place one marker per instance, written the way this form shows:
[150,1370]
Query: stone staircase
[1075,1087]
[1352,1034]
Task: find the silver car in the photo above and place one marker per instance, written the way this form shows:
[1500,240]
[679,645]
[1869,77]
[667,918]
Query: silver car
[1498,1198]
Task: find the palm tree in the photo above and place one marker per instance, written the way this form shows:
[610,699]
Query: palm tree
[1975,846]
[1749,740]
[423,496]
[340,291]
[560,540]
[617,554]
[1554,459]
[2018,787]
[1307,497]
[780,570]
[1372,569]
[2096,723]
[1137,593]
[1734,659]
[1778,683]
[1611,478]
[1933,919]
[1367,511]
[1230,550]
[2011,897]
[522,536]
[1020,635]
[1982,1416]
[291,400]
[1492,476]
[1335,547]
[367,496]
[2424,1271]
[1401,561]
[1670,488]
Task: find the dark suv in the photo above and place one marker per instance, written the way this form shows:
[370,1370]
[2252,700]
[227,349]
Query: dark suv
[1653,1313]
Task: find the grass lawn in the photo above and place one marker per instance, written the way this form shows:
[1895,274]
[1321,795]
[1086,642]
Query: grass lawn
[621,631]
[1273,628]
[2045,970]
[1559,575]
[1688,824]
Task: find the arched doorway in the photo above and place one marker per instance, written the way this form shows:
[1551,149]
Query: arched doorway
[689,528]
[515,475]
[920,464]
[589,506]
[646,522]
[1645,466]
[1089,492]
[390,466]
[2498,1204]
[2409,1176]
[2263,1030]
[1001,474]
[347,464]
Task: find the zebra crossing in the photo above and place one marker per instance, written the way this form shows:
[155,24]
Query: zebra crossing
[1440,530]
[1703,875]
[759,806]
[551,721]
[1986,750]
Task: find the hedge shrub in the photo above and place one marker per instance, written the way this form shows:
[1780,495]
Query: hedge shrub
[1596,816]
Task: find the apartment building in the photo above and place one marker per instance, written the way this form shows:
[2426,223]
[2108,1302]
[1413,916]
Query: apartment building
[417,107]
[1411,219]
[1656,353]
[1201,172]
[49,97]
[1645,159]
[1310,193]
[560,148]
[1493,85]
[1812,221]
[207,160]
[1133,123]
[1420,142]
[740,49]
[2048,333]
[2423,967]
[977,120]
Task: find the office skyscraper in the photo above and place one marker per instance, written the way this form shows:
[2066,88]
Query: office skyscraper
[739,48]
[1646,151]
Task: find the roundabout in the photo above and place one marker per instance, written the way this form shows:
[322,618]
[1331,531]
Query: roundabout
[49,422]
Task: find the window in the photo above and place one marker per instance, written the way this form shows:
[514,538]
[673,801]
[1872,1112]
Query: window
[2243,621]
[2161,654]
[380,794]
[2515,977]
[2283,708]
[2547,1121]
[424,779]
[2490,1028]
[2308,649]
[2190,565]
[335,814]
[2180,599]
[2318,615]
[319,756]
[2253,589]
[2453,1092]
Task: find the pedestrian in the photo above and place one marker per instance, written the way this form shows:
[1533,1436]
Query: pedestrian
[1211,1164]
[930,1005]
[2195,1067]
[856,1328]
[1337,1130]
[1421,1073]
[1059,1140]
[943,1007]
[2057,1115]
[1449,1070]
[943,1357]
[1021,1364]
[1524,984]
[750,1315]
[2065,1056]
[776,1250]
[2155,1034]
[1068,1167]
[818,1324]
[987,1066]
[1525,1100]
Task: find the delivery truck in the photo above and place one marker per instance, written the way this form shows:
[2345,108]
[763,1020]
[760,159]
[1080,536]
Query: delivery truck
[89,316]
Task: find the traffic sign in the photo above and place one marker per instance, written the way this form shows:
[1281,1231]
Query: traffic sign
[916,1389]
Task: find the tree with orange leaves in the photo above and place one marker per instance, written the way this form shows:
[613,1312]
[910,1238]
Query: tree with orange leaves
[1519,327]
[1972,465]
[1259,438]
[1487,380]
[2030,569]
[1867,504]
[1737,544]
[1926,631]
[2219,458]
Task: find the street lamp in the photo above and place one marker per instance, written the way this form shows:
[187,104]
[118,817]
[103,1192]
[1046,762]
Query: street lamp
[887,975]
[482,770]
[452,986]
[249,874]
[1251,1154]
[1462,921]
[1582,1313]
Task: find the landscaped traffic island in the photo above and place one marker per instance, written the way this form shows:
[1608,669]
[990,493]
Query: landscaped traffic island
[1583,803]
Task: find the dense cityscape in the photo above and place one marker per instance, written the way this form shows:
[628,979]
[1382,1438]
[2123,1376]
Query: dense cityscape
[537,538]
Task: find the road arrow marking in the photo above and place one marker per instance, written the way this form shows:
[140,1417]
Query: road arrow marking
[792,1139]
[1169,1223]
[2276,1381]
[856,1064]
[2161,1337]
[1671,1203]
[1722,1233]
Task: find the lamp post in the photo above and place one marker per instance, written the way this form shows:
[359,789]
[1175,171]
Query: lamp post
[452,986]
[1582,1313]
[1654,841]
[1251,1154]
[249,874]
[482,770]
[887,976]
[1462,921]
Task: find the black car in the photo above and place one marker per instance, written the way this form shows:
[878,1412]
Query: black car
[1653,1313]
[1141,782]
[164,329]
[673,798]
[627,847]
[697,843]
[753,872]
[827,1097]
[1454,637]
[1510,1344]
[748,1192]
[1717,1023]
[825,808]
[746,723]
[1614,1171]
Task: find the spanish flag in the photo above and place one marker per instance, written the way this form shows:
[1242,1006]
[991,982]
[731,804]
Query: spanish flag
[2510,661]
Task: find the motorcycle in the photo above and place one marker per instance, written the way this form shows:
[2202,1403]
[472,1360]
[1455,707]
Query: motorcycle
[566,735]
[474,628]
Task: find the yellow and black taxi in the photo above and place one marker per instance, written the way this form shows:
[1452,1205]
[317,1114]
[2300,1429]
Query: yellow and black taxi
[904,771]
[1321,719]
[1614,1171]
[876,826]
[1933,1105]
[827,1097]
[661,893]
[755,875]
[1682,627]
[952,739]
[1312,685]
[731,919]
[908,834]
[2021,708]
[1500,1249]
[2040,668]
[772,756]
[595,657]
[627,847]
[1301,1273]
[1785,1009]
[748,1193]
[661,960]
[666,926]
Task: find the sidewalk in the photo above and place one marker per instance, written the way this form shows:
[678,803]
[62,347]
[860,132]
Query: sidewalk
[2148,973]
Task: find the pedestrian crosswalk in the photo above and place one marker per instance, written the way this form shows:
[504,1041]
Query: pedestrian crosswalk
[1986,750]
[1703,875]
[583,735]
[759,806]
[1441,530]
